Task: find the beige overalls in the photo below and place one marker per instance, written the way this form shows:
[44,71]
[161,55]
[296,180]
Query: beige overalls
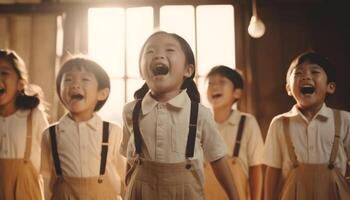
[213,190]
[150,180]
[82,188]
[308,181]
[18,178]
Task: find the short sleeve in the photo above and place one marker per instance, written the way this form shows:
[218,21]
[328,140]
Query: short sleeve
[255,142]
[272,154]
[213,144]
[127,124]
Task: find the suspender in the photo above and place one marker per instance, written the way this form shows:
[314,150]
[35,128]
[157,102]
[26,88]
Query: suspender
[104,149]
[191,132]
[135,123]
[54,152]
[335,146]
[239,136]
[28,137]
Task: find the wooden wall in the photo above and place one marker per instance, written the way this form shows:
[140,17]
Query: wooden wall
[291,28]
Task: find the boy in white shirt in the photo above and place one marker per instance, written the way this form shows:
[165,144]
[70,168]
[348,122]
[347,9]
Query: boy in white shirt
[307,148]
[241,133]
[80,158]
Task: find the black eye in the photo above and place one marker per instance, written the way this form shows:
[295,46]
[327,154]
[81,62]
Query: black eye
[170,50]
[149,51]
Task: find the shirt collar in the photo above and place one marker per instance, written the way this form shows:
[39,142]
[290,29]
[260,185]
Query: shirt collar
[323,114]
[234,117]
[179,101]
[92,123]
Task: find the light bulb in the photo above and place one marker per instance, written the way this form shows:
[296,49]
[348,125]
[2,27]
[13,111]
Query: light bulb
[256,27]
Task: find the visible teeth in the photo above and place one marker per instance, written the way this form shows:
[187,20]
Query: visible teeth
[307,89]
[2,90]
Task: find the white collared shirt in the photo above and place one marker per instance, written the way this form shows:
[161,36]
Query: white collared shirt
[164,129]
[312,139]
[79,150]
[251,145]
[13,132]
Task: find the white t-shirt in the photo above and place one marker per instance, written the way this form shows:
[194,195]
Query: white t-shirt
[251,145]
[79,150]
[164,129]
[13,132]
[312,140]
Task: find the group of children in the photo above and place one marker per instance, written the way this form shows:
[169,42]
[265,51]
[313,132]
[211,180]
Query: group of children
[174,147]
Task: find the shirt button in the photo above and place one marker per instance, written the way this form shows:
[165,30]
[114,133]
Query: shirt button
[311,148]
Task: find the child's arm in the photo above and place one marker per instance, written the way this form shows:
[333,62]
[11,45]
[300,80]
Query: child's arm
[46,168]
[223,175]
[255,182]
[271,189]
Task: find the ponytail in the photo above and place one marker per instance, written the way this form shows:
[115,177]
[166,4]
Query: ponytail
[30,97]
[192,90]
[140,93]
[24,101]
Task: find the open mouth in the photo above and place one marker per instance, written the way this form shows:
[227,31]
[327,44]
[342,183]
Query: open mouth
[307,89]
[215,96]
[160,70]
[77,97]
[2,91]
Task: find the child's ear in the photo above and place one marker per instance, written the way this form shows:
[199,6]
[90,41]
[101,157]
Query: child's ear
[20,85]
[237,93]
[289,92]
[103,94]
[331,87]
[189,70]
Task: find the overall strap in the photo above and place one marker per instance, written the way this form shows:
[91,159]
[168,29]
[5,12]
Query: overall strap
[290,146]
[192,131]
[28,147]
[239,136]
[104,148]
[335,147]
[136,127]
[54,151]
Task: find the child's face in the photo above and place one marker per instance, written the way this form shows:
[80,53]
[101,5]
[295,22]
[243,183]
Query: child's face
[10,83]
[80,93]
[308,85]
[163,65]
[221,92]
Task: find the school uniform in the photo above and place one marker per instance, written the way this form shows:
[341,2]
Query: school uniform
[81,160]
[20,138]
[167,160]
[243,138]
[311,154]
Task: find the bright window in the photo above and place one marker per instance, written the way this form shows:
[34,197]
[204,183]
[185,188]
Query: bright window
[117,34]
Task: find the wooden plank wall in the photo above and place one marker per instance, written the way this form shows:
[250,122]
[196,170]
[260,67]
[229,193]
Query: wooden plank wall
[292,28]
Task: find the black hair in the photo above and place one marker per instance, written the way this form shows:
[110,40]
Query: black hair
[31,95]
[313,58]
[80,62]
[188,83]
[233,75]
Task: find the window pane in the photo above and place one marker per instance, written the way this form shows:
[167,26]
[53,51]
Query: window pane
[106,39]
[139,27]
[202,85]
[215,37]
[179,20]
[113,108]
[133,85]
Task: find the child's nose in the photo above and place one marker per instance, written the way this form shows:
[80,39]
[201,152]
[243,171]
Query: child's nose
[159,56]
[306,76]
[75,84]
